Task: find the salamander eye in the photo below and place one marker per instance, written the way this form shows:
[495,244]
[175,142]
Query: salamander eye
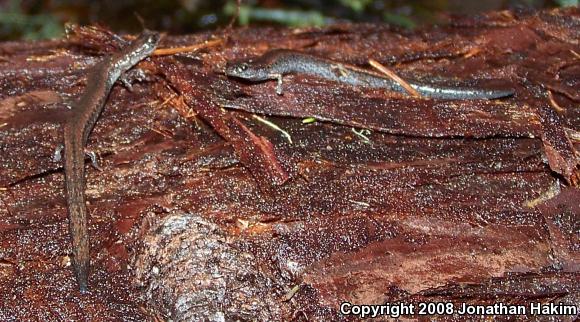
[243,67]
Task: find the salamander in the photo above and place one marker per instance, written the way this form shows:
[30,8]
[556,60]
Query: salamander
[274,64]
[77,128]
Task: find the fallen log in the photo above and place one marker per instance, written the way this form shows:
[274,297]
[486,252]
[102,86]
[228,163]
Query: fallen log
[221,199]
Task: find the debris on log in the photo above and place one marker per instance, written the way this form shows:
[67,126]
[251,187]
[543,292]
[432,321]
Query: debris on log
[220,199]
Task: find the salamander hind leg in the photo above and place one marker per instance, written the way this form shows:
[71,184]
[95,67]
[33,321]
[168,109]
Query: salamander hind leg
[57,155]
[94,160]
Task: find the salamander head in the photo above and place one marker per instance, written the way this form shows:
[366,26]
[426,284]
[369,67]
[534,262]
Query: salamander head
[145,44]
[247,70]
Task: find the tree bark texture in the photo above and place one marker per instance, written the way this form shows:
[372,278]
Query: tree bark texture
[203,210]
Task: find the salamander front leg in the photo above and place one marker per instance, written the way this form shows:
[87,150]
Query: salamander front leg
[133,76]
[278,77]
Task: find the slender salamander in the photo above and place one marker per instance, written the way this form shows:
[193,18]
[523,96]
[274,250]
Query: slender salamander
[274,64]
[76,132]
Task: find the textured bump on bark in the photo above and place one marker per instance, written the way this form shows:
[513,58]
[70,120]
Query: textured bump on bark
[191,272]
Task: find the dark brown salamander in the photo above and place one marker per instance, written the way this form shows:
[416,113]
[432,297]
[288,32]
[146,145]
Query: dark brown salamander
[76,132]
[276,63]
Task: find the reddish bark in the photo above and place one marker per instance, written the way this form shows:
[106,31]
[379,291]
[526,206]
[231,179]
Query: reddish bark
[443,201]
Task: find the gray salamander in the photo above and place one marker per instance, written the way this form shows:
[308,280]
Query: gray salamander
[274,64]
[76,132]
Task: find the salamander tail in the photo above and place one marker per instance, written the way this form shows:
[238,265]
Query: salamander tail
[77,211]
[80,245]
[460,93]
[82,275]
[81,258]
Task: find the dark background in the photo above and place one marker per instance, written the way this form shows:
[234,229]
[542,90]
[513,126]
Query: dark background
[45,19]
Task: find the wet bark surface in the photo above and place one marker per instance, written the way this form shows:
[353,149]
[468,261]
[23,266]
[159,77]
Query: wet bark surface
[201,208]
